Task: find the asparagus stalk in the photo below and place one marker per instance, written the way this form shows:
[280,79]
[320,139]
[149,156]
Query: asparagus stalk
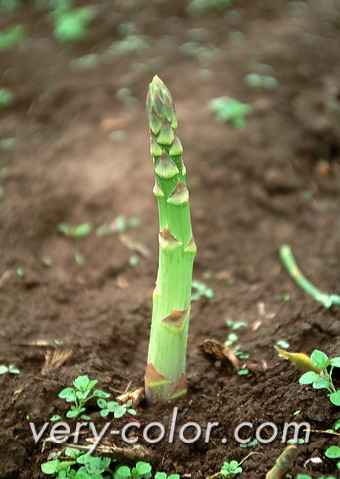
[165,371]
[284,462]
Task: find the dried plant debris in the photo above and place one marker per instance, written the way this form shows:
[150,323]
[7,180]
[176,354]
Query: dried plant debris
[218,353]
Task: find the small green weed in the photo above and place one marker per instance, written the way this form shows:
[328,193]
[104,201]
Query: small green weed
[7,144]
[119,225]
[299,441]
[96,468]
[282,343]
[75,232]
[257,80]
[261,77]
[333,452]
[86,62]
[114,407]
[234,325]
[20,272]
[201,291]
[125,96]
[130,45]
[324,379]
[9,6]
[70,24]
[7,98]
[134,260]
[233,338]
[11,369]
[243,372]
[75,464]
[47,261]
[142,470]
[252,443]
[230,110]
[79,259]
[163,475]
[11,36]
[57,468]
[202,52]
[230,469]
[90,467]
[236,37]
[81,395]
[336,424]
[199,7]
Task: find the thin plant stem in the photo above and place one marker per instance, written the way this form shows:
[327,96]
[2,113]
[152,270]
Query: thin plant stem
[289,262]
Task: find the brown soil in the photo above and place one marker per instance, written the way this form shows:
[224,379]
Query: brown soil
[275,182]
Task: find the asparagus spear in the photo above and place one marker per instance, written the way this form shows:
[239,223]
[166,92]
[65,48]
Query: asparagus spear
[165,371]
[284,462]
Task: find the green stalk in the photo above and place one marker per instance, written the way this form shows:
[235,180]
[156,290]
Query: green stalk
[165,371]
[284,462]
[288,261]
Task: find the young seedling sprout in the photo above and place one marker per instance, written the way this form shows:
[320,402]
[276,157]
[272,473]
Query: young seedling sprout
[289,263]
[321,378]
[165,372]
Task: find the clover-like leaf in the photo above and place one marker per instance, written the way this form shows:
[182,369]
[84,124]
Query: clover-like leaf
[68,394]
[81,382]
[112,406]
[119,411]
[335,362]
[335,398]
[13,369]
[143,469]
[319,359]
[333,452]
[85,417]
[122,472]
[100,394]
[72,414]
[82,394]
[233,465]
[104,412]
[50,467]
[321,383]
[3,369]
[56,417]
[308,378]
[93,464]
[92,384]
[101,403]
[82,473]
